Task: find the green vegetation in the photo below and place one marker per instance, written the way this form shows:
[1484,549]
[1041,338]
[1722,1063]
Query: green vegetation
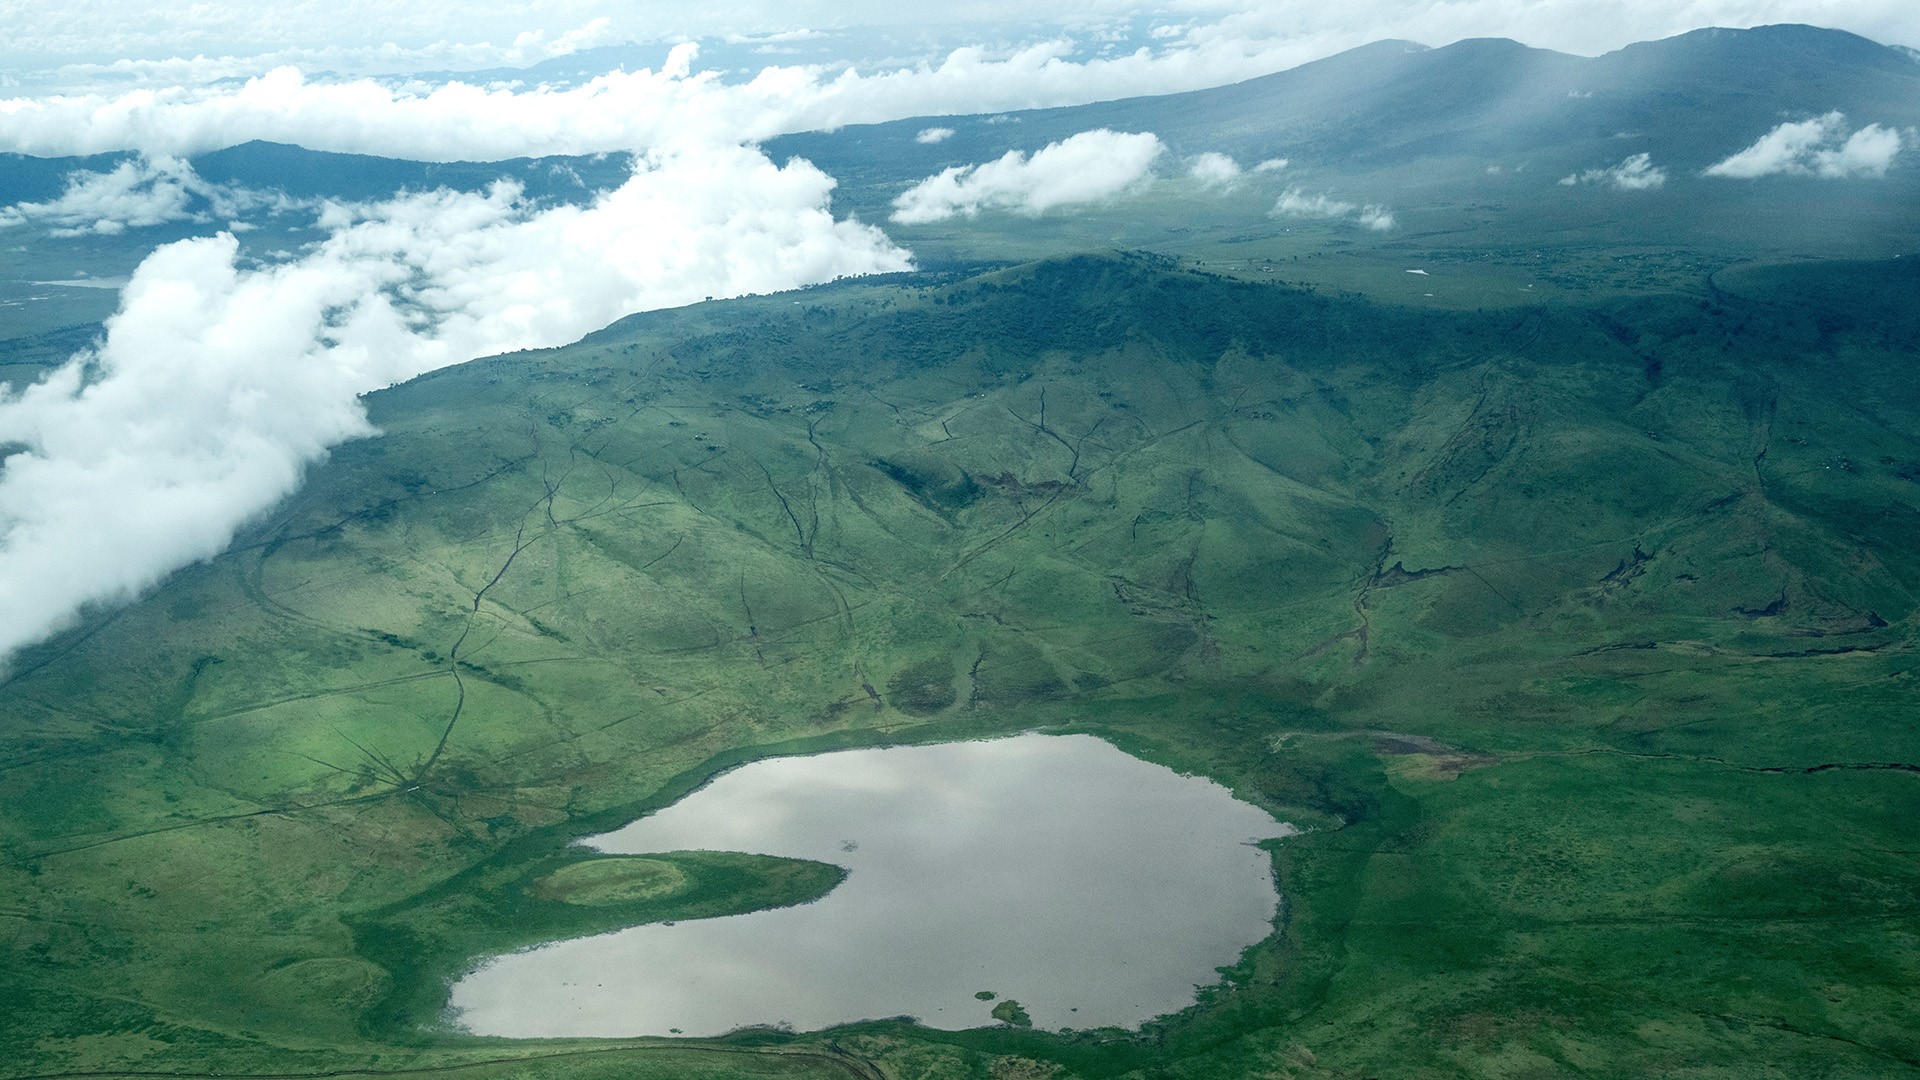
[1010,1012]
[1579,637]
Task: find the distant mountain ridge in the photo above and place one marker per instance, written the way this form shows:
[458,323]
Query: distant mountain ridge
[1475,145]
[1691,100]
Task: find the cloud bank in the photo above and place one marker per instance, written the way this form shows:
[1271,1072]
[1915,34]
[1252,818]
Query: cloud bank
[620,111]
[527,47]
[1296,203]
[625,110]
[218,381]
[1818,147]
[137,194]
[1091,167]
[1637,173]
[368,35]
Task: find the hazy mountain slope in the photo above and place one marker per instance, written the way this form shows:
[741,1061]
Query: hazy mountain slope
[1484,153]
[1578,633]
[1694,99]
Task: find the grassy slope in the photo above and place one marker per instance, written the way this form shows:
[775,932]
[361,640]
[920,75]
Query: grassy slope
[1583,634]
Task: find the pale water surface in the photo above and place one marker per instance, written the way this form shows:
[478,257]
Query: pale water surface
[1094,888]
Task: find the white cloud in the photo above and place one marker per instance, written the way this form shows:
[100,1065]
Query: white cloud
[1866,152]
[933,135]
[1816,147]
[1271,165]
[217,382]
[622,110]
[531,45]
[1636,173]
[1377,218]
[802,34]
[1215,170]
[137,194]
[386,58]
[1295,202]
[1093,166]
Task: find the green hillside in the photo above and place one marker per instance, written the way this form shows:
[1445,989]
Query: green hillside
[1580,637]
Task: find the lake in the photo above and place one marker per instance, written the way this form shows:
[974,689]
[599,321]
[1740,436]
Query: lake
[1094,888]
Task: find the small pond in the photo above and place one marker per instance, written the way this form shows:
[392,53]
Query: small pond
[1093,888]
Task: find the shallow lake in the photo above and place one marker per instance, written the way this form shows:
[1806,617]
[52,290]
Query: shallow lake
[1094,888]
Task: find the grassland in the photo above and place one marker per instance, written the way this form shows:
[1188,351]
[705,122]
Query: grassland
[1580,635]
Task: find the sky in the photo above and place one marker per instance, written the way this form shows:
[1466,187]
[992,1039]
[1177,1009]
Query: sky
[225,374]
[161,41]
